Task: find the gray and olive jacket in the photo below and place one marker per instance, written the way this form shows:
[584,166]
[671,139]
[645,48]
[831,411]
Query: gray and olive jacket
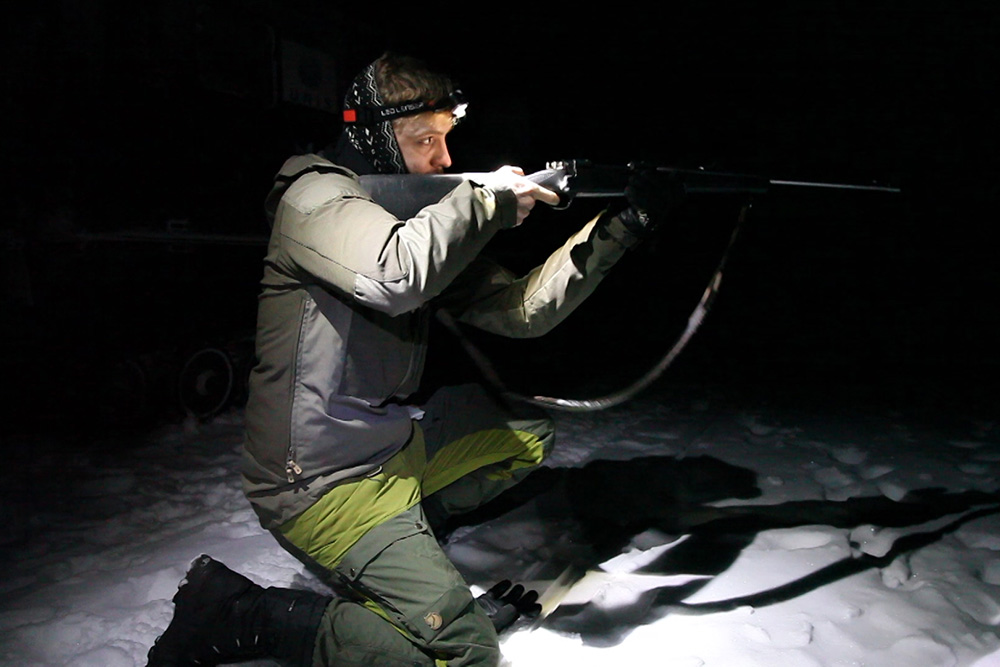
[343,318]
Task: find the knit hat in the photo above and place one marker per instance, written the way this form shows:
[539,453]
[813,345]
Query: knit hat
[376,141]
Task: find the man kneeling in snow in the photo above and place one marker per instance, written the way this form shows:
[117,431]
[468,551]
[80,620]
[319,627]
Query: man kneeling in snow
[347,473]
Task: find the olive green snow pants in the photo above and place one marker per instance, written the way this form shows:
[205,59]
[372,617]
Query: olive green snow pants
[401,601]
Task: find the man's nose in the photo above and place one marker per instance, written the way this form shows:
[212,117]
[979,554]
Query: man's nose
[442,158]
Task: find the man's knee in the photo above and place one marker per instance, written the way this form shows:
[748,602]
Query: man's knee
[354,636]
[401,578]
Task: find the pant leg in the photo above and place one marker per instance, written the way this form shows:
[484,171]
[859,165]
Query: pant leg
[477,448]
[400,596]
[404,577]
[349,635]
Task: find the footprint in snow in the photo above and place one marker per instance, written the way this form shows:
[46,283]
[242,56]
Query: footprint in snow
[849,455]
[876,471]
[796,538]
[974,468]
[965,444]
[833,478]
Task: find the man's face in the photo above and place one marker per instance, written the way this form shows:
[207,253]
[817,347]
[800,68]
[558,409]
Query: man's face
[421,138]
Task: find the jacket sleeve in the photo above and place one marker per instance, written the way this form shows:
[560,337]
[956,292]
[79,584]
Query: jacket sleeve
[328,231]
[495,300]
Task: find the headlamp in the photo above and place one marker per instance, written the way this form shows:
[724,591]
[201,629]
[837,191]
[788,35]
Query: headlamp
[455,102]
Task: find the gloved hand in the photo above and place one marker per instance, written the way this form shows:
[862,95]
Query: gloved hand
[652,197]
[504,606]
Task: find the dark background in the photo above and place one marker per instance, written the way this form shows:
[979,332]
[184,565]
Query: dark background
[169,118]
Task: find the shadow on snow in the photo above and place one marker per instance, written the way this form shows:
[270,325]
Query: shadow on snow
[613,502]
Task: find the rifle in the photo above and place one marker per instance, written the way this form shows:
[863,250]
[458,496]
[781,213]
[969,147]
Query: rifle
[404,195]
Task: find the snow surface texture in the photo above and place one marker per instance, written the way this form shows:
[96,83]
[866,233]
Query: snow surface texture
[688,528]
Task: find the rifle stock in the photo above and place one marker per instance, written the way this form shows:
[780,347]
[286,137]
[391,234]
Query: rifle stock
[404,195]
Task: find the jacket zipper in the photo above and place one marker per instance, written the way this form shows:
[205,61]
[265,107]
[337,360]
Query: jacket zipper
[291,467]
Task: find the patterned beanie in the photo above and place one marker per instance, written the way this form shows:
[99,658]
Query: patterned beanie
[375,141]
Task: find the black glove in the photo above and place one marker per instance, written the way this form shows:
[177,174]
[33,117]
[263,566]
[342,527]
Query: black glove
[652,196]
[504,606]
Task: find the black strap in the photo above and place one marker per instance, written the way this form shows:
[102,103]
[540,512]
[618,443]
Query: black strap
[491,376]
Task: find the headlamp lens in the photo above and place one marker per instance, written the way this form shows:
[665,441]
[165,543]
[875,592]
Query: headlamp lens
[458,105]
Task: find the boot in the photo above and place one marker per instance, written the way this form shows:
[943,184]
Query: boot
[221,616]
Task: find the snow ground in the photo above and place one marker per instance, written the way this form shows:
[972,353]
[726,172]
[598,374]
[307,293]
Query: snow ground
[695,526]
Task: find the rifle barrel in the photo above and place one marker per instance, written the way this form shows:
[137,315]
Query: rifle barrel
[835,186]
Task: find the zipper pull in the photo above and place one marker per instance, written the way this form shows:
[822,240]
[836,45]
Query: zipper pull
[292,469]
